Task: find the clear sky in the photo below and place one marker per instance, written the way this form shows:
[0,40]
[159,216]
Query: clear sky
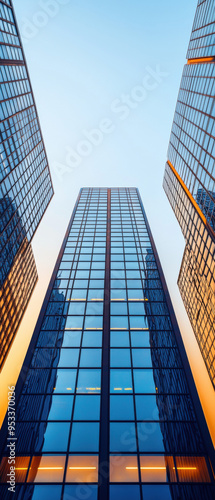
[115,67]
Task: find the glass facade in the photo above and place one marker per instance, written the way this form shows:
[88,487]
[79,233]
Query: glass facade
[189,179]
[106,404]
[25,182]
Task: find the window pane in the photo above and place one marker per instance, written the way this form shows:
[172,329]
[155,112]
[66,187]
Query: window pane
[119,339]
[82,469]
[121,408]
[90,357]
[89,381]
[125,492]
[146,408]
[85,437]
[123,469]
[61,408]
[42,492]
[144,381]
[120,358]
[56,436]
[87,408]
[120,381]
[123,437]
[68,358]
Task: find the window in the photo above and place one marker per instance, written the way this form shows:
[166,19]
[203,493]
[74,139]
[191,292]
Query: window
[90,357]
[68,358]
[120,358]
[61,408]
[87,408]
[89,381]
[121,408]
[56,436]
[85,437]
[121,381]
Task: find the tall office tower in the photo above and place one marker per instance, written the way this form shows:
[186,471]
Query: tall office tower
[189,180]
[25,182]
[106,404]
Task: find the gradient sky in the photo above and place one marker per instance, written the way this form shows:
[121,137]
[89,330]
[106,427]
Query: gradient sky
[85,58]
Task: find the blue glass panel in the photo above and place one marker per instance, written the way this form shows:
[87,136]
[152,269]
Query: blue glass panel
[121,408]
[121,381]
[146,408]
[87,408]
[92,339]
[119,339]
[90,357]
[142,358]
[119,322]
[120,358]
[81,491]
[124,492]
[153,492]
[76,308]
[71,339]
[89,381]
[140,339]
[56,437]
[93,322]
[144,381]
[42,492]
[123,437]
[85,437]
[65,380]
[74,322]
[61,408]
[68,358]
[150,437]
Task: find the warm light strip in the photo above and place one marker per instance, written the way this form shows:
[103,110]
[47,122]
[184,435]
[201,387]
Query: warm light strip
[118,328]
[117,300]
[82,468]
[201,60]
[49,468]
[93,329]
[97,300]
[196,206]
[76,300]
[142,329]
[161,468]
[137,300]
[92,388]
[185,468]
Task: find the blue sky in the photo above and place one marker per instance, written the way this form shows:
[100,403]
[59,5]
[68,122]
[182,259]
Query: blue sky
[86,58]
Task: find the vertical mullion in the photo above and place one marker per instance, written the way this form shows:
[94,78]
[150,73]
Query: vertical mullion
[103,493]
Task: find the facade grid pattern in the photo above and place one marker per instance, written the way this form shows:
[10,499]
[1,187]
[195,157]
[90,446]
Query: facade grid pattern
[105,407]
[25,182]
[189,180]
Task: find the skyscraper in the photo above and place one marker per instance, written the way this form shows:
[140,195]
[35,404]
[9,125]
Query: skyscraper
[106,404]
[25,182]
[189,180]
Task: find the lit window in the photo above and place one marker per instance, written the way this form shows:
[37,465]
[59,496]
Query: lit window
[82,469]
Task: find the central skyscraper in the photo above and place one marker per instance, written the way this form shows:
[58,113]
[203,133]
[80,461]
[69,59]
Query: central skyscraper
[106,403]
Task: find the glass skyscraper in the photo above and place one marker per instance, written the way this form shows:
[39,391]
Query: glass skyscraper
[25,182]
[106,403]
[189,180]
